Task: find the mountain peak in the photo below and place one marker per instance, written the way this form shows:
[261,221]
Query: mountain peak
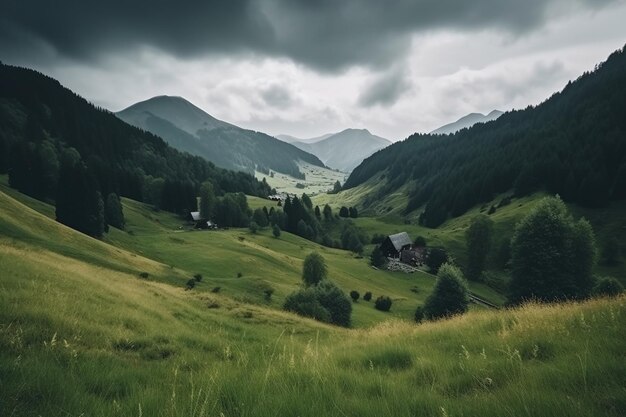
[467,121]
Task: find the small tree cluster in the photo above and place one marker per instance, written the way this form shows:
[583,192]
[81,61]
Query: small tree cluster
[319,299]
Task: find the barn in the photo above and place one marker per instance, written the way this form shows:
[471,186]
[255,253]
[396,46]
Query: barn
[393,245]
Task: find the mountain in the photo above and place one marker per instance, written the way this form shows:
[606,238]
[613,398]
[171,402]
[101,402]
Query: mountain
[190,129]
[344,150]
[292,139]
[43,123]
[573,144]
[467,121]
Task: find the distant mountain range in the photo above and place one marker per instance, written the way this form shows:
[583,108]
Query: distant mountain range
[467,121]
[344,150]
[190,129]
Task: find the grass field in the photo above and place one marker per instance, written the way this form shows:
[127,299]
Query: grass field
[386,217]
[317,180]
[81,333]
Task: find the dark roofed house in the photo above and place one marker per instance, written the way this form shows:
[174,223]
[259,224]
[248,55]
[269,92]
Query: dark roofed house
[393,245]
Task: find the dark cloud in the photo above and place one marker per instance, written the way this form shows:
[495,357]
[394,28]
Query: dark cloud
[324,34]
[386,90]
[276,96]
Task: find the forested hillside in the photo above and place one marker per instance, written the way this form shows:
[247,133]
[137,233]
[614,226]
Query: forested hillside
[48,133]
[190,129]
[573,144]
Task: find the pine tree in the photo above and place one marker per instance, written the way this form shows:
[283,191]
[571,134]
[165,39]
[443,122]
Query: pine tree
[113,211]
[552,255]
[478,242]
[207,200]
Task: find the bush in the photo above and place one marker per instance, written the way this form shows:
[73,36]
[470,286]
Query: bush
[354,295]
[383,303]
[419,314]
[378,258]
[324,302]
[333,299]
[314,269]
[276,231]
[305,303]
[144,275]
[420,241]
[367,296]
[239,275]
[254,227]
[267,293]
[450,295]
[197,277]
[608,287]
[216,289]
[435,258]
[190,284]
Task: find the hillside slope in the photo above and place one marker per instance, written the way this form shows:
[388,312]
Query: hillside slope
[190,129]
[466,122]
[344,150]
[573,144]
[41,121]
[123,345]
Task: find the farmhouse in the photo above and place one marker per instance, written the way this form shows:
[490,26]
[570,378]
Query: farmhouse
[393,245]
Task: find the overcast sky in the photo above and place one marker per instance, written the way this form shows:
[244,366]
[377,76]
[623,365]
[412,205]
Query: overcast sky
[307,67]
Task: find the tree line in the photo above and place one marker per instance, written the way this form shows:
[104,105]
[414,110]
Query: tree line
[49,136]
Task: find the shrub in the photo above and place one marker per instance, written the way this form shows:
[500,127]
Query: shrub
[239,275]
[197,277]
[144,275]
[383,303]
[305,303]
[378,258]
[435,258]
[420,241]
[276,231]
[354,295]
[367,296]
[216,289]
[314,269]
[267,293]
[333,299]
[450,295]
[419,314]
[254,227]
[608,287]
[324,302]
[190,284]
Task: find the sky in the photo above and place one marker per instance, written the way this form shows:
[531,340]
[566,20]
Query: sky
[310,67]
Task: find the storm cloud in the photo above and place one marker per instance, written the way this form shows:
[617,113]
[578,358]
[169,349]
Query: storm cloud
[327,35]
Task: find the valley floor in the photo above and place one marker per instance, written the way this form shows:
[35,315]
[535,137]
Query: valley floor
[84,332]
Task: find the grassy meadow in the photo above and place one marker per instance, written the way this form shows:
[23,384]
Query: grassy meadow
[317,180]
[82,332]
